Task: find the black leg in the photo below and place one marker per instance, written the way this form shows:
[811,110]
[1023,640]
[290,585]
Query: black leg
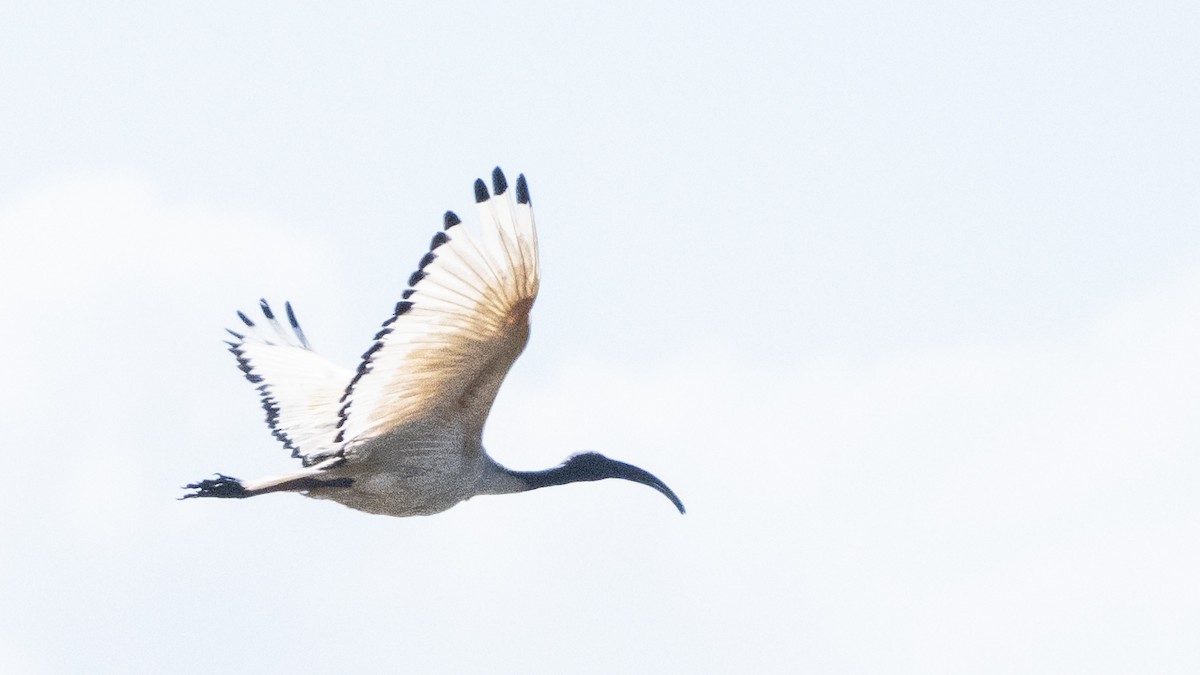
[222,486]
[227,487]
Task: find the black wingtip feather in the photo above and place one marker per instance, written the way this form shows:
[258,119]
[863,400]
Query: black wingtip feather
[287,306]
[245,319]
[481,193]
[266,309]
[499,182]
[522,190]
[291,315]
[450,220]
[416,277]
[438,239]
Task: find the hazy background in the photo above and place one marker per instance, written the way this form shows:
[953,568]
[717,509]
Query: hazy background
[903,299]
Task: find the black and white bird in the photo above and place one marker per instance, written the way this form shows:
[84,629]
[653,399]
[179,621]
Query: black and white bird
[402,434]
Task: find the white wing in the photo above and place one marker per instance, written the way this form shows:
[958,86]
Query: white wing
[464,320]
[300,389]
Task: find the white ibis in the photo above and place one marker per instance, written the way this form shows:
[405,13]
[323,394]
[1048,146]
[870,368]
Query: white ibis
[402,435]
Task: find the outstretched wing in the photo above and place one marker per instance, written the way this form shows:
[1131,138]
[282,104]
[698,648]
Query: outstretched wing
[441,357]
[300,389]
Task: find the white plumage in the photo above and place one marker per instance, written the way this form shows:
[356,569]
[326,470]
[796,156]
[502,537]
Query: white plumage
[401,435]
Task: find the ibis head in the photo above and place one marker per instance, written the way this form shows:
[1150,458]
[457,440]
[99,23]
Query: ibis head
[591,466]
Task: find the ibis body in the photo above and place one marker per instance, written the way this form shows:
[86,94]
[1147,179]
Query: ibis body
[402,434]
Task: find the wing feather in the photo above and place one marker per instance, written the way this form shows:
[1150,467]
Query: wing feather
[465,318]
[299,389]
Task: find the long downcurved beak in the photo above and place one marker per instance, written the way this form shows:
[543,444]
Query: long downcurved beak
[631,472]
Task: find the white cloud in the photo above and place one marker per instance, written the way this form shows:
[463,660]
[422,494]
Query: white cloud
[1000,508]
[76,239]
[1009,507]
[114,307]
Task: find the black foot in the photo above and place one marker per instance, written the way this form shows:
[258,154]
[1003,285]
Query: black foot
[222,486]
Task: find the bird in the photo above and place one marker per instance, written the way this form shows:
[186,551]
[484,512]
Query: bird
[402,434]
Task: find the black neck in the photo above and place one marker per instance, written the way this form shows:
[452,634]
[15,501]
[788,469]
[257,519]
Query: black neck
[559,475]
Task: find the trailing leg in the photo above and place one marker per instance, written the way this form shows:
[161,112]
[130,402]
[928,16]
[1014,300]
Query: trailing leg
[221,486]
[227,487]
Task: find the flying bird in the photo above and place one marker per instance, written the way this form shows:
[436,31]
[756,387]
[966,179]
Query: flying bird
[402,434]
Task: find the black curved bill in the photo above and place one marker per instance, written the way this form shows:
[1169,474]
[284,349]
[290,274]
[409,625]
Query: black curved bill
[631,472]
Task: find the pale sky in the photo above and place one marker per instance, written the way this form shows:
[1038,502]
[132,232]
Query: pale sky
[903,300]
